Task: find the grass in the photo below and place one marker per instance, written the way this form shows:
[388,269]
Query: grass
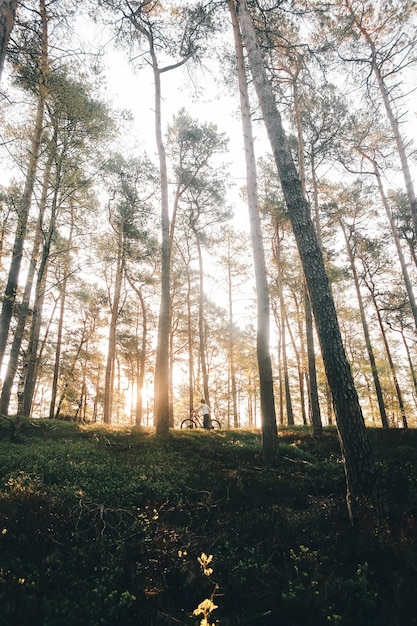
[104,527]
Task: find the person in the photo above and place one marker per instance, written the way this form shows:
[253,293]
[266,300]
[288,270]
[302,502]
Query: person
[205,410]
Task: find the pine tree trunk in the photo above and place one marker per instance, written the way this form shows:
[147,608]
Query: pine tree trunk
[28,376]
[374,369]
[190,346]
[269,423]
[61,323]
[282,328]
[24,208]
[140,354]
[31,367]
[12,365]
[390,362]
[111,350]
[311,353]
[357,453]
[171,377]
[141,364]
[232,365]
[162,364]
[300,368]
[201,332]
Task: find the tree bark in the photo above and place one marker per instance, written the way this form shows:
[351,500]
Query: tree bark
[359,465]
[12,365]
[268,415]
[162,365]
[313,393]
[20,236]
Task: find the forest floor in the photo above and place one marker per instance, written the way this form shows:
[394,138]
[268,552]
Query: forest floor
[102,526]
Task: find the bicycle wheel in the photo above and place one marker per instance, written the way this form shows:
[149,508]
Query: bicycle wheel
[215,424]
[188,423]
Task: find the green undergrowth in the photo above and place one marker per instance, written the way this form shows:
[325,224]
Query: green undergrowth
[102,526]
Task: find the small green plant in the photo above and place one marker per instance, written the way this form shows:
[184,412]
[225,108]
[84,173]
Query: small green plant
[302,581]
[207,606]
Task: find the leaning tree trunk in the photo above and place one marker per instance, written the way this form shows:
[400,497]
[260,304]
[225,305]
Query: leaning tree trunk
[359,464]
[25,202]
[266,383]
[408,181]
[12,365]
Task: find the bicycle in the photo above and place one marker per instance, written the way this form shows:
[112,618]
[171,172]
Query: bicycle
[194,422]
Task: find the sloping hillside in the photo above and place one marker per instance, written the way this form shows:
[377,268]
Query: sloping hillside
[105,527]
